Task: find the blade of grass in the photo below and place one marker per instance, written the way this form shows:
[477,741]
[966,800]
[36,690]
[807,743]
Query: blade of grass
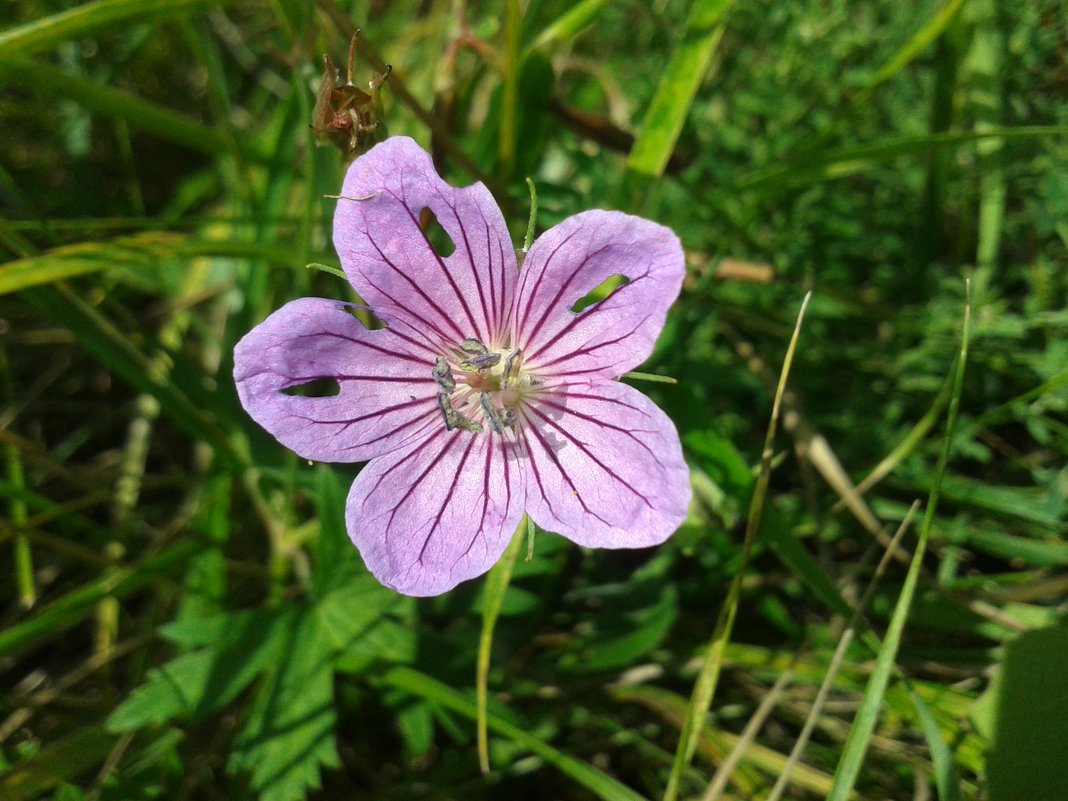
[767,705]
[923,37]
[513,25]
[142,251]
[849,161]
[983,74]
[600,784]
[907,445]
[705,686]
[678,85]
[569,24]
[87,19]
[492,599]
[108,345]
[23,556]
[836,661]
[75,605]
[47,81]
[713,743]
[860,733]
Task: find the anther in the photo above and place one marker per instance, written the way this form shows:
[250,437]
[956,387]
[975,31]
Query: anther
[443,375]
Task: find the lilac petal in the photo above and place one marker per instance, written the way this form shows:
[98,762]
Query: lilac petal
[390,261]
[604,466]
[428,517]
[575,257]
[387,395]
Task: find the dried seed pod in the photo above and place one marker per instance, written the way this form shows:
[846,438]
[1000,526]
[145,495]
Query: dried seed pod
[345,115]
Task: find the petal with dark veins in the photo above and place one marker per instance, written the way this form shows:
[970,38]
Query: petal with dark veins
[441,512]
[569,261]
[387,395]
[391,262]
[603,466]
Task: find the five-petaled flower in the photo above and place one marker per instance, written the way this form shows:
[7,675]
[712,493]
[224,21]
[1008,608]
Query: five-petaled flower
[485,395]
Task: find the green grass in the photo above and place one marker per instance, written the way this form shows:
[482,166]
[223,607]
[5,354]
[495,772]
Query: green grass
[181,612]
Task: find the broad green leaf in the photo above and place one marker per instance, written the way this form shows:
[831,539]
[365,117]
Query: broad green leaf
[200,683]
[1030,738]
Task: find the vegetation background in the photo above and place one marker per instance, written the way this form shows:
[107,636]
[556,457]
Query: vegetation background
[181,615]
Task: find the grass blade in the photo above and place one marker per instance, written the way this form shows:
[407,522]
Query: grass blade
[856,745]
[48,81]
[598,783]
[705,687]
[927,34]
[569,24]
[76,604]
[75,23]
[678,85]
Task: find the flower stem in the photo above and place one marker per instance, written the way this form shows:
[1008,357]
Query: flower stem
[492,600]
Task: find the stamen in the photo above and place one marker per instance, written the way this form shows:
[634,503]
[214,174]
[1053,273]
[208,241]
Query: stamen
[443,375]
[481,362]
[453,419]
[493,417]
[511,367]
[473,347]
[446,411]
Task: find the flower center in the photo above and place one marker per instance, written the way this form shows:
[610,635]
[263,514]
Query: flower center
[477,385]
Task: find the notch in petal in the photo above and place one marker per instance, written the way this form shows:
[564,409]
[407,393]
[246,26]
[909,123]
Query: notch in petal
[571,259]
[426,518]
[604,466]
[386,393]
[391,261]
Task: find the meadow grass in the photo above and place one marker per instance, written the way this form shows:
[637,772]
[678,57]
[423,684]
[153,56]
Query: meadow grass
[183,615]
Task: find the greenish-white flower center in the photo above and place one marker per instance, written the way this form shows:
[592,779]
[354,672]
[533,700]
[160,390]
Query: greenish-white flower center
[480,388]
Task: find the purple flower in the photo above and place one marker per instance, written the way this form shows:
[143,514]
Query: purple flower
[486,395]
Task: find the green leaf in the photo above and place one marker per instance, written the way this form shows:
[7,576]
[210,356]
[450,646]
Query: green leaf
[200,683]
[637,632]
[290,732]
[1030,738]
[678,85]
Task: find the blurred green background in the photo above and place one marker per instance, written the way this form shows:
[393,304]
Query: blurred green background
[181,614]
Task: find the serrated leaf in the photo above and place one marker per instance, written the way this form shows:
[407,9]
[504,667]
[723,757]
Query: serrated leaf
[290,733]
[198,684]
[351,609]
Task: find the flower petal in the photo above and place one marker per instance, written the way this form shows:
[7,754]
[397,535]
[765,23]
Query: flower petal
[390,260]
[429,517]
[604,466]
[575,257]
[387,394]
